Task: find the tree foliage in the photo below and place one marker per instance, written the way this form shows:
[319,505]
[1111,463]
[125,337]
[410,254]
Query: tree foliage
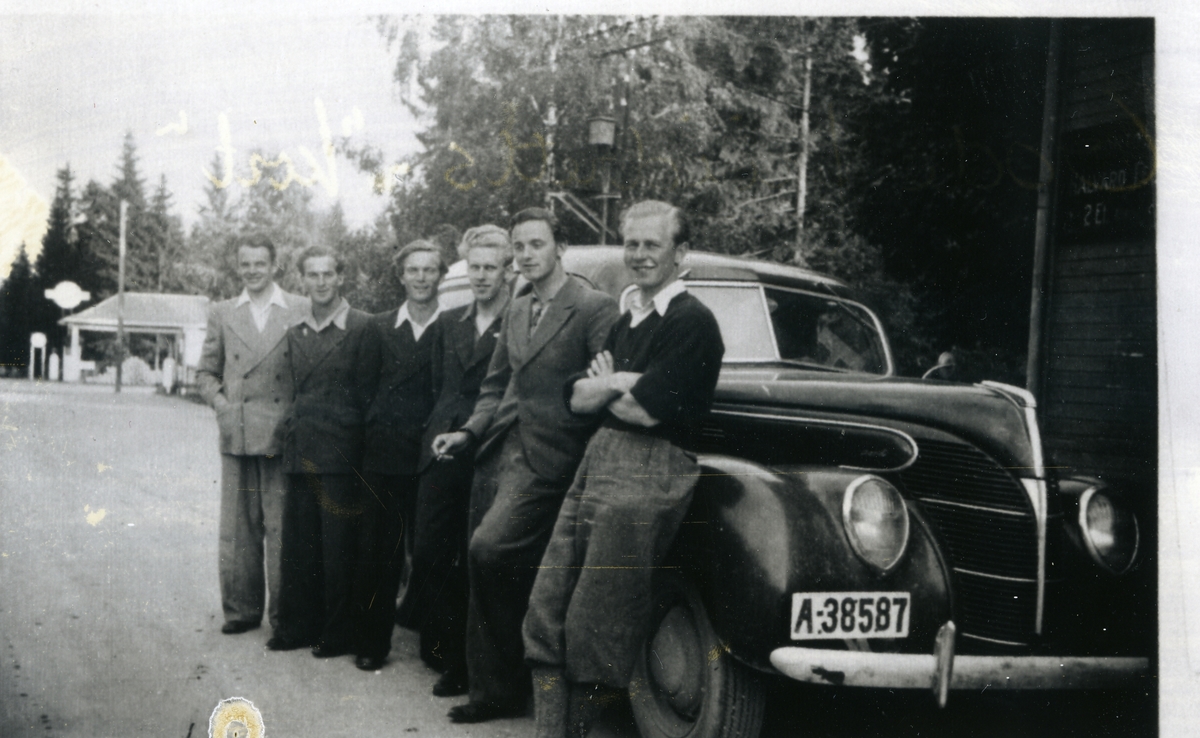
[99,231]
[59,260]
[16,299]
[952,198]
[709,115]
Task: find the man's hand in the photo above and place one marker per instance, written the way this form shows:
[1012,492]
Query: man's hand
[601,366]
[602,385]
[446,445]
[604,367]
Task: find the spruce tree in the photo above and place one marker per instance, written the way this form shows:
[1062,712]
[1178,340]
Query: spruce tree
[15,324]
[57,262]
[167,236]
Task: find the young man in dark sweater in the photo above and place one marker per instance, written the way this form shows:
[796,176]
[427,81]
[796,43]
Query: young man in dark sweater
[653,382]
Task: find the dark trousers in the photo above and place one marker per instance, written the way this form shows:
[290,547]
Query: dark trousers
[342,560]
[515,510]
[590,606]
[439,573]
[381,559]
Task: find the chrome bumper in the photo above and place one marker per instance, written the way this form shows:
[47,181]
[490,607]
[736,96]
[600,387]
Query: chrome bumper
[944,670]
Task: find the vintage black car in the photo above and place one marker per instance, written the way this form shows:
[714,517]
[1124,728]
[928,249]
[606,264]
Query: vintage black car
[854,528]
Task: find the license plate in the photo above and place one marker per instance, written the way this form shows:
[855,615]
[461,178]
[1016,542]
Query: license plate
[849,615]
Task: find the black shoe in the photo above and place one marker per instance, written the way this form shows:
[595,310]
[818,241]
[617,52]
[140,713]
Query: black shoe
[279,643]
[452,684]
[369,663]
[481,712]
[326,651]
[233,627]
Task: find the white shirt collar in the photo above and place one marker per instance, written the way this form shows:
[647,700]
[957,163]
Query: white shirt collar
[639,312]
[402,315]
[276,297]
[337,317]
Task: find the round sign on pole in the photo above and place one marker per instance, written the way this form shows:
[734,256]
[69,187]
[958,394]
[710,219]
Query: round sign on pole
[37,340]
[67,295]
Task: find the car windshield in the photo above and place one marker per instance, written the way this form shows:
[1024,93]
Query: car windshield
[762,324]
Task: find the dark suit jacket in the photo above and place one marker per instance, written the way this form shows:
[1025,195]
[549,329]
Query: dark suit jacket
[459,365]
[403,399]
[246,377]
[526,376]
[334,372]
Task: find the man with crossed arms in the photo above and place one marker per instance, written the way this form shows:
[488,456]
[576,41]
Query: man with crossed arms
[652,384]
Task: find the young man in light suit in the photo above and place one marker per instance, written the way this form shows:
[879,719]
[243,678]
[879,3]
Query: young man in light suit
[244,373]
[529,446]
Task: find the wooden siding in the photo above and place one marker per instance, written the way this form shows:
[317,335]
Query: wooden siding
[1098,390]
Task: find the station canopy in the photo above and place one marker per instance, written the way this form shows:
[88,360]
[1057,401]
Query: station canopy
[183,316]
[145,313]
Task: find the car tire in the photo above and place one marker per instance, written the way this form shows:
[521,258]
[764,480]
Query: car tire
[685,683]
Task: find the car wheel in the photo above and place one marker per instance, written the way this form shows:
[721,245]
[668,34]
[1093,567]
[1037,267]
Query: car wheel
[685,683]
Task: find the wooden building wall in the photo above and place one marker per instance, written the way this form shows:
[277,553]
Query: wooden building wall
[1097,384]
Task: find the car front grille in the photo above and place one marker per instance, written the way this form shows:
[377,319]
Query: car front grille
[987,523]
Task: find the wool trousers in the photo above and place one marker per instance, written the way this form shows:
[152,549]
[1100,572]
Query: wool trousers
[589,608]
[515,510]
[253,491]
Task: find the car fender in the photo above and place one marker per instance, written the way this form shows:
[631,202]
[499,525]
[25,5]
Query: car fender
[755,535]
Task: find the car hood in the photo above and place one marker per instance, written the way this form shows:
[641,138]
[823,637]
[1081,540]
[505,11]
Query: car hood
[992,420]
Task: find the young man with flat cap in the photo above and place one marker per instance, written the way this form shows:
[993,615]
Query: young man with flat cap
[529,445]
[652,384]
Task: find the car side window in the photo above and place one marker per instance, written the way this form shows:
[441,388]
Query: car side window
[825,331]
[742,316]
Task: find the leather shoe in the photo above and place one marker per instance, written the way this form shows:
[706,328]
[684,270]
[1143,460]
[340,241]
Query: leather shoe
[326,651]
[279,643]
[481,712]
[369,663]
[451,684]
[233,627]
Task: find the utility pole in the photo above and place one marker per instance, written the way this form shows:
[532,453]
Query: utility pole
[551,120]
[121,295]
[802,174]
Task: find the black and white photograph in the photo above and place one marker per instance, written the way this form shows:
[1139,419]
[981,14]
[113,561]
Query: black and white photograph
[486,370]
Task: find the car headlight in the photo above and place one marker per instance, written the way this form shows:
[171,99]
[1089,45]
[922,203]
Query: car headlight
[1110,530]
[876,521]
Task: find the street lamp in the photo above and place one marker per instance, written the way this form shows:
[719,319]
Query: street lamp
[602,133]
[68,296]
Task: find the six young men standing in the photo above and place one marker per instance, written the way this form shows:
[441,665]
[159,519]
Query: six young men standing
[393,413]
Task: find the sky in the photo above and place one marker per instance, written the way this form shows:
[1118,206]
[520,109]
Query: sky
[71,86]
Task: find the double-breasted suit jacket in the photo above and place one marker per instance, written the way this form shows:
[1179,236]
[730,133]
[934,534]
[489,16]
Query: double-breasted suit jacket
[572,330]
[403,399]
[245,375]
[335,373]
[460,363]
